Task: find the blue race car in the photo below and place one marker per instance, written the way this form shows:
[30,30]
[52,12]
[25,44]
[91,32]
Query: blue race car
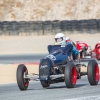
[58,66]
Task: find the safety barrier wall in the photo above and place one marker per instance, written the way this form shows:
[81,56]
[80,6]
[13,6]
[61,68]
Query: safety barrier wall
[49,27]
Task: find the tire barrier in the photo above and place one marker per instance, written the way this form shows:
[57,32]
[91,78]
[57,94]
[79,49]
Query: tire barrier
[56,27]
[65,26]
[36,28]
[21,27]
[0,28]
[82,26]
[14,29]
[39,27]
[98,25]
[5,27]
[73,26]
[47,27]
[90,26]
[29,27]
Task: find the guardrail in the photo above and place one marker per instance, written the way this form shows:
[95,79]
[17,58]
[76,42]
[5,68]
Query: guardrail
[90,26]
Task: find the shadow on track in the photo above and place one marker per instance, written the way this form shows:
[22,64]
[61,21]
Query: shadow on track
[58,87]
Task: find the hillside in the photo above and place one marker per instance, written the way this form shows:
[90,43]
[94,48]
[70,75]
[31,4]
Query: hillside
[49,9]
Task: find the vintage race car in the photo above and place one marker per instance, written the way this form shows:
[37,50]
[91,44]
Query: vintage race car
[83,49]
[58,66]
[96,52]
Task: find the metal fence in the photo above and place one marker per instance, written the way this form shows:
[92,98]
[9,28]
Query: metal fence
[90,26]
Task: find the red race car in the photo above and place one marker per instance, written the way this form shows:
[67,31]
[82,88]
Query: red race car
[82,47]
[96,52]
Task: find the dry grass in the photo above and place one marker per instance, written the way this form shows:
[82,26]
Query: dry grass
[49,10]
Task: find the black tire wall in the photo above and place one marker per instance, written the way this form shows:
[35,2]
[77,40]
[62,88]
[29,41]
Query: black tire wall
[90,26]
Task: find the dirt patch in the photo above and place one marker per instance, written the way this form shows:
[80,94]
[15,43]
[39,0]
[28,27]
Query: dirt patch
[32,44]
[8,72]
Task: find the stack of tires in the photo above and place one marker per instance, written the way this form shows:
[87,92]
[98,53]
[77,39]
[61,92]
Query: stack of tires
[74,26]
[5,27]
[14,29]
[29,27]
[21,25]
[92,26]
[38,28]
[0,28]
[82,26]
[56,27]
[98,25]
[47,27]
[65,26]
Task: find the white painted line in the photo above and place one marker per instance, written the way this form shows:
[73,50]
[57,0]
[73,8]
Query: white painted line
[86,98]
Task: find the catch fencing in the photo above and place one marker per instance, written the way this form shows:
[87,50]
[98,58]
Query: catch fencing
[14,28]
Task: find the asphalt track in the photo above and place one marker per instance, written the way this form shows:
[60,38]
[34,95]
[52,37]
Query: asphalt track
[56,91]
[25,58]
[20,58]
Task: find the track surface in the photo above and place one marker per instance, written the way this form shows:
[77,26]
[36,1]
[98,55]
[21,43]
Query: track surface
[56,91]
[19,58]
[24,58]
[35,91]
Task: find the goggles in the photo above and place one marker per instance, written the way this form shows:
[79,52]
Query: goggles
[59,39]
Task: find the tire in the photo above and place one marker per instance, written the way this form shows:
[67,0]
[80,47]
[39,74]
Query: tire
[45,84]
[93,72]
[70,75]
[98,56]
[21,25]
[82,26]
[44,72]
[13,28]
[5,27]
[81,55]
[21,81]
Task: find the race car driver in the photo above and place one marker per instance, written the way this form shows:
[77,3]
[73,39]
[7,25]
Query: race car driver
[60,39]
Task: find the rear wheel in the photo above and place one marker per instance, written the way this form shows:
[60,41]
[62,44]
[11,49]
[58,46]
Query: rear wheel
[81,55]
[93,72]
[98,56]
[70,75]
[21,81]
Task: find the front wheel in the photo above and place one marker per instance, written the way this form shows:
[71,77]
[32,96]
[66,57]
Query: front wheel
[45,84]
[21,81]
[93,72]
[70,75]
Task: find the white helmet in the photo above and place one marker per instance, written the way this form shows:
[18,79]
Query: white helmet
[60,38]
